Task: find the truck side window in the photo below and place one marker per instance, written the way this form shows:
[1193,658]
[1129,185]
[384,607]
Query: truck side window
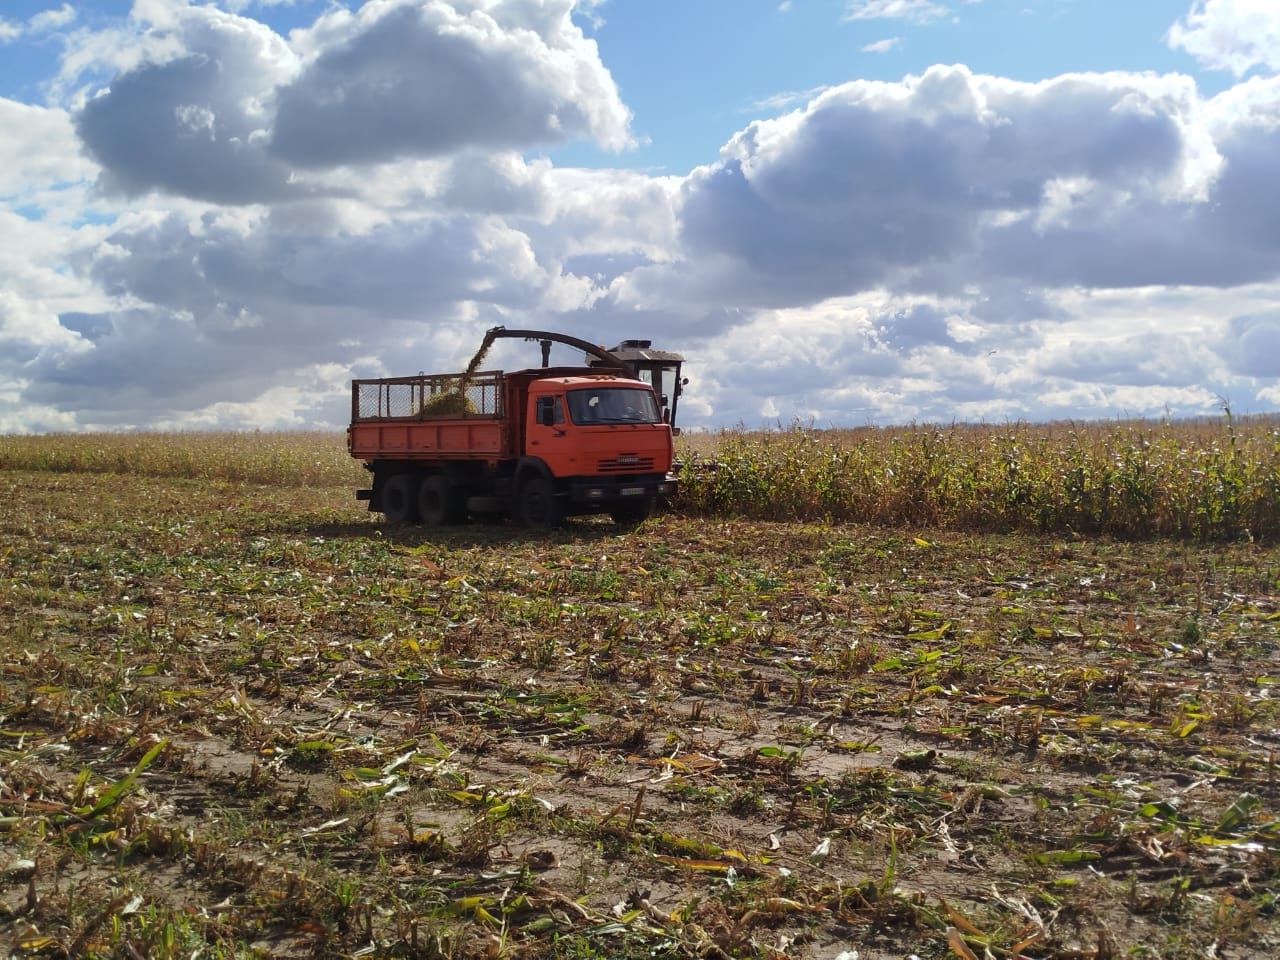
[550,411]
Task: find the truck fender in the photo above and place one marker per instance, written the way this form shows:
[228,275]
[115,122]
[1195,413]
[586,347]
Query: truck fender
[527,466]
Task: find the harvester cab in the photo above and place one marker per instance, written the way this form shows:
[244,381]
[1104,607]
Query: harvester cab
[658,368]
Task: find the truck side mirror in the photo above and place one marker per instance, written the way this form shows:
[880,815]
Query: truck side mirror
[666,412]
[662,400]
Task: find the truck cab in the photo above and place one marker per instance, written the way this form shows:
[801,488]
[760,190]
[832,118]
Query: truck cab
[603,440]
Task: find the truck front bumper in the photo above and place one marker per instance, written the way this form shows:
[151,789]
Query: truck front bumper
[620,489]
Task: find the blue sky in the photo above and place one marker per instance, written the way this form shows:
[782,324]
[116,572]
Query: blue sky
[693,71]
[844,211]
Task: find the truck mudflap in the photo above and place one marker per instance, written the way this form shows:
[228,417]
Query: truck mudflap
[620,489]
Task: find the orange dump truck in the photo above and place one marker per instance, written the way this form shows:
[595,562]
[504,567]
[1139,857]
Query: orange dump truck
[536,444]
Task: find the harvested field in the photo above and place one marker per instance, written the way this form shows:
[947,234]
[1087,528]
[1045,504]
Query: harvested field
[245,720]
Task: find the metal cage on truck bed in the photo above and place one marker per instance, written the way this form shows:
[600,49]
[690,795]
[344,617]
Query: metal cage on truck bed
[427,397]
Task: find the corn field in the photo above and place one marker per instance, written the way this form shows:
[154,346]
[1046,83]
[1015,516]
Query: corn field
[1203,480]
[274,458]
[1198,480]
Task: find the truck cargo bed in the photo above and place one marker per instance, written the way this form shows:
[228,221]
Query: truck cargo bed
[428,417]
[429,439]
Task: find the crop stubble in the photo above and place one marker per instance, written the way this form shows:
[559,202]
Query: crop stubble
[248,719]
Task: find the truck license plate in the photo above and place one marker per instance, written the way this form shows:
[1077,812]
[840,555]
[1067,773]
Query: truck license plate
[632,491]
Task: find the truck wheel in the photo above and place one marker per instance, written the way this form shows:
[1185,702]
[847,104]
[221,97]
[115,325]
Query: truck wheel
[536,505]
[399,500]
[440,502]
[632,511]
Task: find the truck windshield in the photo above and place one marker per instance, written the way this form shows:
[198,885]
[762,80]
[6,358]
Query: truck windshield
[612,405]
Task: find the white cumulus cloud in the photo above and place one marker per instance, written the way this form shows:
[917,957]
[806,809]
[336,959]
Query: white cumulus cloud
[215,106]
[1235,35]
[883,46]
[924,183]
[38,147]
[193,118]
[401,78]
[915,11]
[46,21]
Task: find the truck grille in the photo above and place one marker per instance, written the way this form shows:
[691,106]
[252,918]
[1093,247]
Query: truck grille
[626,463]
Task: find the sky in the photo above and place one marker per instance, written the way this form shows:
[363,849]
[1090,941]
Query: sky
[214,215]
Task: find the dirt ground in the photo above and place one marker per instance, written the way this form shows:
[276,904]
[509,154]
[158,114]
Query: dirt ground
[248,721]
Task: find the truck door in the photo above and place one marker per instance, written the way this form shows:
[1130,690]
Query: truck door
[547,436]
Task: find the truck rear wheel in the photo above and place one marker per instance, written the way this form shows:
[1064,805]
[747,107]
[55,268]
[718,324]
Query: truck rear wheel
[399,499]
[536,504]
[440,502]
